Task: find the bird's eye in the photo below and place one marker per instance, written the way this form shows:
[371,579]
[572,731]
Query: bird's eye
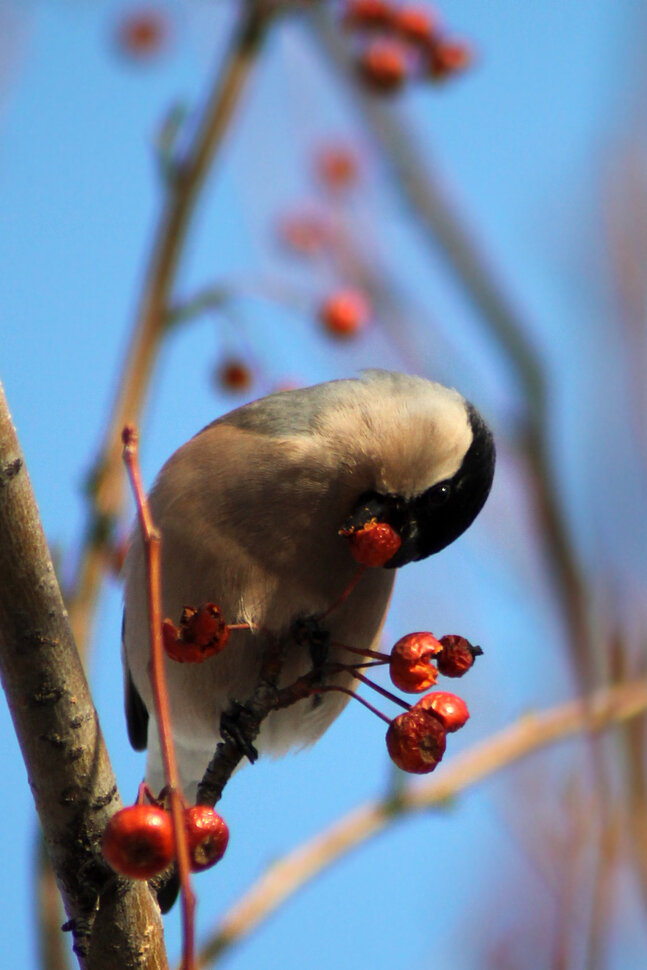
[439,494]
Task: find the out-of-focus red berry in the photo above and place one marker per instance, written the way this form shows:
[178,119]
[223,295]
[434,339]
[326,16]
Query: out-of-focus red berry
[138,841]
[410,666]
[201,634]
[448,708]
[142,34]
[416,741]
[457,655]
[414,23]
[383,65]
[234,375]
[374,544]
[336,166]
[447,58]
[345,313]
[207,835]
[305,234]
[368,14]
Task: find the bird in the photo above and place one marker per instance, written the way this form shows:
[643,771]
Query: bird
[254,514]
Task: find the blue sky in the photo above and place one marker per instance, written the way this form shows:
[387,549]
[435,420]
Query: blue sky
[521,143]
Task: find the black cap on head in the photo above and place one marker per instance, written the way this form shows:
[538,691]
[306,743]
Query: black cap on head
[433,520]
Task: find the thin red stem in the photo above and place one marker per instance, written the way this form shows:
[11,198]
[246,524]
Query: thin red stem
[344,596]
[152,541]
[381,690]
[382,657]
[351,693]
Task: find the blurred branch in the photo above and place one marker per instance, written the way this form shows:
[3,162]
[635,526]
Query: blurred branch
[113,921]
[437,216]
[601,710]
[183,190]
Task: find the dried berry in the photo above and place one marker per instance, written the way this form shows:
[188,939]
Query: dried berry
[374,544]
[201,634]
[207,836]
[410,666]
[345,313]
[457,655]
[448,708]
[138,841]
[416,741]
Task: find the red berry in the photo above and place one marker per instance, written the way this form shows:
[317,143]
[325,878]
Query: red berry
[448,708]
[138,841]
[416,741]
[344,313]
[414,23]
[410,666]
[201,634]
[447,58]
[384,65]
[143,33]
[457,655]
[234,375]
[207,835]
[368,14]
[374,544]
[336,166]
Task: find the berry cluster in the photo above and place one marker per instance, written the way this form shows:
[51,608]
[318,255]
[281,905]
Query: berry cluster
[138,841]
[398,44]
[416,738]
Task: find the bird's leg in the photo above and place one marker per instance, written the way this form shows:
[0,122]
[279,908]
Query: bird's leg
[234,727]
[309,632]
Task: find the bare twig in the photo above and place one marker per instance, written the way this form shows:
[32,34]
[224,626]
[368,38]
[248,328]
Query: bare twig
[57,726]
[249,717]
[601,710]
[107,487]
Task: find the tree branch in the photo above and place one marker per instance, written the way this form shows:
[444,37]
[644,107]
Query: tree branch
[115,922]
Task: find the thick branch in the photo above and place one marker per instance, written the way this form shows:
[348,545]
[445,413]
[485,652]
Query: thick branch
[57,726]
[602,710]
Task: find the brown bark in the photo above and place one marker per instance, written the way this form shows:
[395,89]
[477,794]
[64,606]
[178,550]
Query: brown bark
[116,923]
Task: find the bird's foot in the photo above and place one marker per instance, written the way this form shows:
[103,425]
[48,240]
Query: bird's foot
[232,728]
